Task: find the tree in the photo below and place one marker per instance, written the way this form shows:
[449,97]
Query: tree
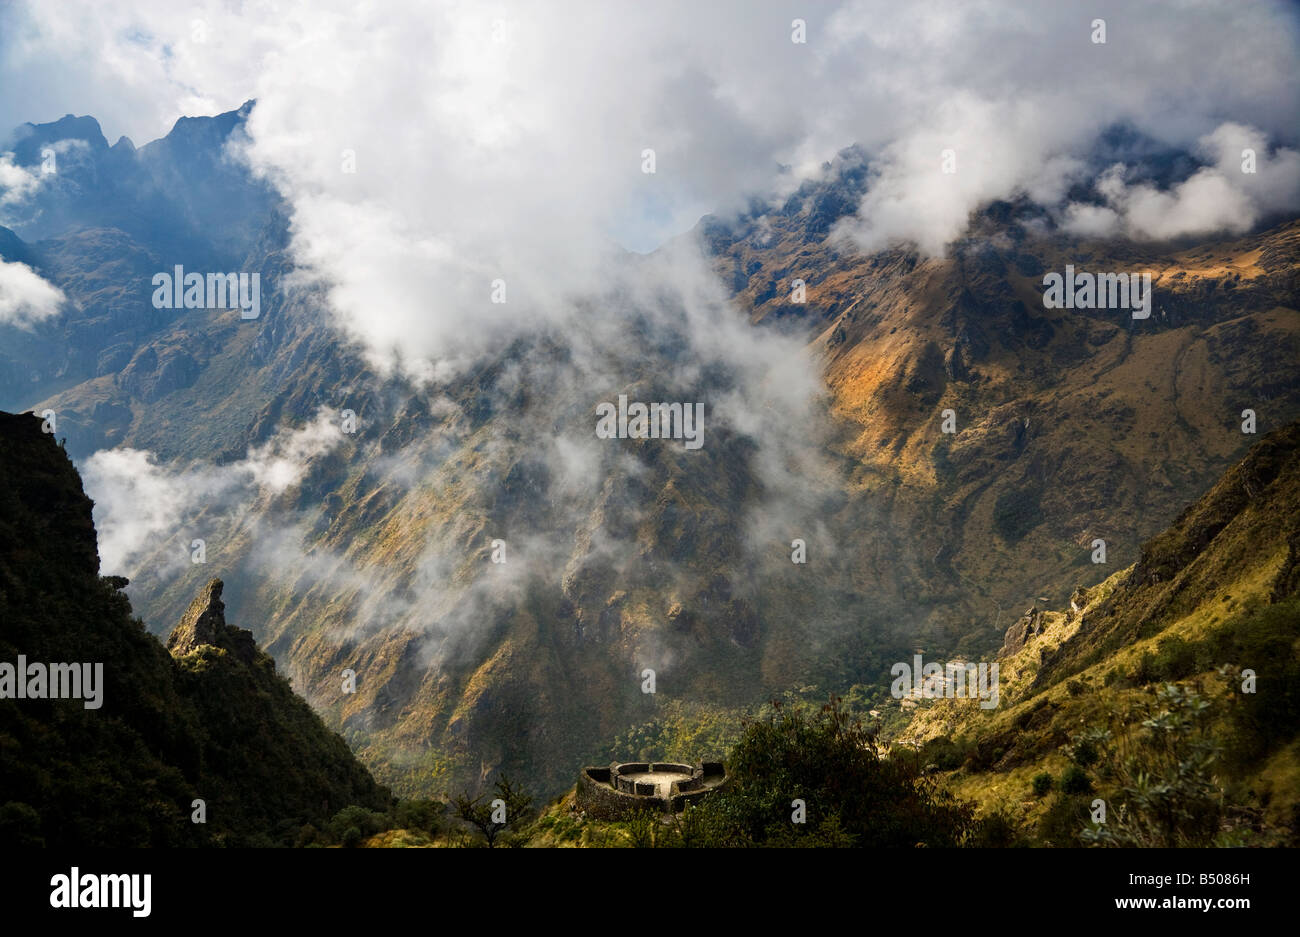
[509,806]
[419,814]
[850,793]
[355,823]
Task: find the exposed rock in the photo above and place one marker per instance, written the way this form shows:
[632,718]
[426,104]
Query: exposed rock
[216,723]
[1030,625]
[113,358]
[204,622]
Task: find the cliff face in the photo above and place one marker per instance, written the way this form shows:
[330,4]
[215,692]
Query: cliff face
[210,721]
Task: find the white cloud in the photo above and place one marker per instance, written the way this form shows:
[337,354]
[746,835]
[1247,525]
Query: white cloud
[140,504]
[16,183]
[504,140]
[25,298]
[1219,197]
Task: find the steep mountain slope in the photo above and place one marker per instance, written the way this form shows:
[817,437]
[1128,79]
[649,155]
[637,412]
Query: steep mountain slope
[1212,604]
[100,225]
[211,720]
[1072,425]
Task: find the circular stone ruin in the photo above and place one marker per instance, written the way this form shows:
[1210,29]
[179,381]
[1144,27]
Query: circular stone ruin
[665,786]
[657,780]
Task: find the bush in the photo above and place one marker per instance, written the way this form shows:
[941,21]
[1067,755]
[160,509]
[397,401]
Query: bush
[1175,659]
[996,830]
[1263,641]
[365,822]
[946,754]
[1042,783]
[419,814]
[1085,753]
[1064,817]
[1075,781]
[852,794]
[1168,794]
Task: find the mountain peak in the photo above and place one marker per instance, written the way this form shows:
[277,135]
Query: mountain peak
[202,129]
[31,137]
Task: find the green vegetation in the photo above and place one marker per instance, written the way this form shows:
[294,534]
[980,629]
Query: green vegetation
[510,807]
[1165,792]
[851,793]
[1017,511]
[216,725]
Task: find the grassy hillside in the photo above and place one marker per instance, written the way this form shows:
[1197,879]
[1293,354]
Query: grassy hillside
[1171,691]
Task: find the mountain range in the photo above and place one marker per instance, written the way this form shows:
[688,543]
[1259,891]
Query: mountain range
[375,550]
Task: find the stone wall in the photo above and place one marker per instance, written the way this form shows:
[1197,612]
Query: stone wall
[666,766]
[598,800]
[606,793]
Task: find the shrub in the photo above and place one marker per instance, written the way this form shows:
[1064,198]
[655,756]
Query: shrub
[996,831]
[365,822]
[1167,795]
[1060,824]
[853,794]
[1075,781]
[419,814]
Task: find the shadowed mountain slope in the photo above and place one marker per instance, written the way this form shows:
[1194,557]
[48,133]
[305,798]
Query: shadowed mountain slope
[210,720]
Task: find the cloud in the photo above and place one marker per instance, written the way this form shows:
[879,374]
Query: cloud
[504,141]
[16,183]
[1244,182]
[141,504]
[25,298]
[503,145]
[1020,95]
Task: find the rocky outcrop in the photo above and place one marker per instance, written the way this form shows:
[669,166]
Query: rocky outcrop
[204,623]
[1030,625]
[152,375]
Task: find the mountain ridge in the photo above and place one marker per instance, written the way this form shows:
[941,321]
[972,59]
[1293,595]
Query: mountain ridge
[924,539]
[201,728]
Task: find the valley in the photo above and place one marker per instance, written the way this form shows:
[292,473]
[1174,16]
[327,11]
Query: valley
[371,551]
